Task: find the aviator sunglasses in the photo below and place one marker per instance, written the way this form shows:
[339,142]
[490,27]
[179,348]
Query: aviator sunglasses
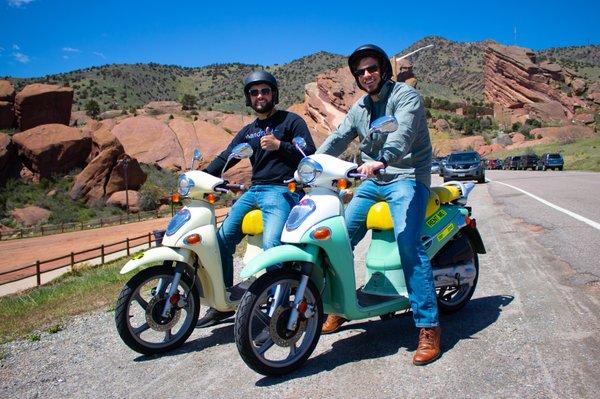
[371,69]
[265,91]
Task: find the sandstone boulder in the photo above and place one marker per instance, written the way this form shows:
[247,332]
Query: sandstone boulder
[503,140]
[150,141]
[442,125]
[105,173]
[122,200]
[489,149]
[110,114]
[7,99]
[40,104]
[586,119]
[52,148]
[30,215]
[162,107]
[518,138]
[7,91]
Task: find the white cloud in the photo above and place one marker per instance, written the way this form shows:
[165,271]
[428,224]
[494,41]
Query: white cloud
[22,58]
[18,3]
[71,50]
[66,57]
[16,47]
[101,55]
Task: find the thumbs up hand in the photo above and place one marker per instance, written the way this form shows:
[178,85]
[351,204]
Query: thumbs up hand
[269,142]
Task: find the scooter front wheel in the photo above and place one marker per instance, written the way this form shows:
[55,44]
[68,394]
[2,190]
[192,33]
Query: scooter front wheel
[263,340]
[138,314]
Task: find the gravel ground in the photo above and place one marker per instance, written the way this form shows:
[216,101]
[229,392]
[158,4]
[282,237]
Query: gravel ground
[525,333]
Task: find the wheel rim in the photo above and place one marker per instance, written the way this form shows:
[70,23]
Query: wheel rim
[454,295]
[281,348]
[145,305]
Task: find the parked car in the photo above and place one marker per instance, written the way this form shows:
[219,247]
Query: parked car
[442,165]
[435,166]
[499,164]
[515,163]
[491,163]
[506,163]
[552,161]
[466,165]
[529,161]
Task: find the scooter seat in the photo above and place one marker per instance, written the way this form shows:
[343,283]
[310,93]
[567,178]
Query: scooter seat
[380,218]
[252,223]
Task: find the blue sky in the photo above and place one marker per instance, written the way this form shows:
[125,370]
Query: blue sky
[42,37]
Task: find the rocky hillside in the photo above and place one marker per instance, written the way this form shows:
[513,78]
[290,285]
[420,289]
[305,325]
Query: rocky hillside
[216,87]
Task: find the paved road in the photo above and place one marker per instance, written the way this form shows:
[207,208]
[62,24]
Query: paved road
[529,331]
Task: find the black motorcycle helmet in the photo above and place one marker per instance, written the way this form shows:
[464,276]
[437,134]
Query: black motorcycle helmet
[371,50]
[260,77]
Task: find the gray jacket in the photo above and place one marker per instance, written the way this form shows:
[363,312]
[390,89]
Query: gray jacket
[407,151]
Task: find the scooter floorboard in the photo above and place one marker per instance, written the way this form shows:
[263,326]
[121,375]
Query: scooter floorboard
[366,300]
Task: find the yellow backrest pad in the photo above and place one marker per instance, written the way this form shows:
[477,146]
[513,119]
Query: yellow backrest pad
[252,223]
[447,194]
[380,218]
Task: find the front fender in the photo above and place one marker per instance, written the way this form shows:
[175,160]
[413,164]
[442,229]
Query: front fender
[280,254]
[158,254]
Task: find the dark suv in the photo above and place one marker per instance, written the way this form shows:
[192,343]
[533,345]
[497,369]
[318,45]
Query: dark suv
[529,161]
[506,163]
[465,165]
[552,161]
[515,163]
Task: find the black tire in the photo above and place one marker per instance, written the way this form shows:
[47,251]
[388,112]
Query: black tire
[481,179]
[560,168]
[445,179]
[244,326]
[124,316]
[449,307]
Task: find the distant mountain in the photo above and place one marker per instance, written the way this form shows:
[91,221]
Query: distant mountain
[450,70]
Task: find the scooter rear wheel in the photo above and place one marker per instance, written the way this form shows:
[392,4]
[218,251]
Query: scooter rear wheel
[452,299]
[138,311]
[261,334]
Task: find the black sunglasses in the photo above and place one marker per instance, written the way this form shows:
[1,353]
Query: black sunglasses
[371,69]
[265,91]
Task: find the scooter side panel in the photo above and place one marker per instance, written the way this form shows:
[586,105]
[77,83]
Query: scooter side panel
[201,214]
[276,255]
[156,255]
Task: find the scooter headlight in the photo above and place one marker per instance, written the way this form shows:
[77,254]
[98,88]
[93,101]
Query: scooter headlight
[299,213]
[184,185]
[309,170]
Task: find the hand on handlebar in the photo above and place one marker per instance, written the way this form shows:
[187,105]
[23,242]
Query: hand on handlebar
[371,169]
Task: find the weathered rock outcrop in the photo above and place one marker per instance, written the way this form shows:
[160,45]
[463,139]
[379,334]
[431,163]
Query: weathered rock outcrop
[52,148]
[105,173]
[30,215]
[7,100]
[522,87]
[40,104]
[329,98]
[122,200]
[7,156]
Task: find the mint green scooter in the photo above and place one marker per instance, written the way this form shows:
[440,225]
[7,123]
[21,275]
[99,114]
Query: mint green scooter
[279,318]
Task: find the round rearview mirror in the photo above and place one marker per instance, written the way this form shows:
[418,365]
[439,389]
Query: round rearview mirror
[384,125]
[241,151]
[197,155]
[299,142]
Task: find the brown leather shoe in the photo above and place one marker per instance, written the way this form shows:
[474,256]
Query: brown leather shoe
[429,346]
[332,324]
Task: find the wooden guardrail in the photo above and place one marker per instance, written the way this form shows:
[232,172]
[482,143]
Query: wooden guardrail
[40,267]
[49,229]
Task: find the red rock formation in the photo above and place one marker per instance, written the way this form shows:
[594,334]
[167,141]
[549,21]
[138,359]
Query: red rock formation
[7,155]
[514,81]
[52,148]
[30,215]
[40,104]
[7,100]
[132,199]
[105,173]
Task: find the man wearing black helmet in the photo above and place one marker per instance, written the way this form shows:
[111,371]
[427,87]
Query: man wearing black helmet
[406,157]
[274,160]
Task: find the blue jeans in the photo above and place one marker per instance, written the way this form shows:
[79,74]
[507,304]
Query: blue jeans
[275,202]
[407,200]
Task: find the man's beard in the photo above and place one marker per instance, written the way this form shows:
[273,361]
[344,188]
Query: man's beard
[264,109]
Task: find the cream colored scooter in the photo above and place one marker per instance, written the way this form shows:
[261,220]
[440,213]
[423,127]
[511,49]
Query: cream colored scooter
[158,307]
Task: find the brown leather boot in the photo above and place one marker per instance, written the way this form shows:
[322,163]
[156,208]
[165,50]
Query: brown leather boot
[429,346]
[332,324]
